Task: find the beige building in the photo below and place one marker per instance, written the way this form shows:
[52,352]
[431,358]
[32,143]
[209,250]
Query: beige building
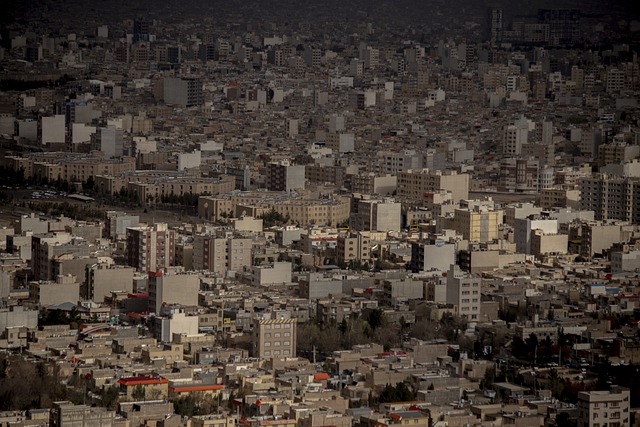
[272,274]
[102,279]
[143,388]
[69,167]
[169,353]
[46,293]
[354,247]
[463,292]
[559,197]
[479,224]
[151,248]
[274,338]
[172,289]
[611,197]
[298,209]
[415,185]
[604,408]
[213,421]
[548,244]
[375,214]
[220,254]
[371,183]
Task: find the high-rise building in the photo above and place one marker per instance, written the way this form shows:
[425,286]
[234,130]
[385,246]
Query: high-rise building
[515,136]
[150,248]
[495,25]
[415,185]
[611,197]
[432,254]
[283,176]
[564,25]
[141,30]
[519,175]
[186,92]
[102,279]
[109,140]
[523,227]
[172,289]
[478,224]
[375,214]
[463,291]
[45,247]
[53,130]
[221,254]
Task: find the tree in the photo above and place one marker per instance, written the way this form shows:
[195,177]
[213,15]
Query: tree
[138,392]
[185,406]
[398,393]
[89,183]
[110,397]
[376,318]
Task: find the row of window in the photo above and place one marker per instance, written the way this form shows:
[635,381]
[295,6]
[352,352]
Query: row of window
[277,353]
[277,344]
[276,335]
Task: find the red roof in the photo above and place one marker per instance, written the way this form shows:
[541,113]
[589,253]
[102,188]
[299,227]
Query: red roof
[141,295]
[142,381]
[321,376]
[200,387]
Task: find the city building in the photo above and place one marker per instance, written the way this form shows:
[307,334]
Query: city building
[185,92]
[604,407]
[220,254]
[172,288]
[274,337]
[415,185]
[463,291]
[151,248]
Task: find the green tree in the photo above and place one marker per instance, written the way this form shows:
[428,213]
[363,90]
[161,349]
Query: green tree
[110,397]
[398,393]
[138,392]
[376,318]
[185,406]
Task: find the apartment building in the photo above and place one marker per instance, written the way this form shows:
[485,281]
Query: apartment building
[220,254]
[151,248]
[172,289]
[519,174]
[611,197]
[371,183]
[274,337]
[102,279]
[45,248]
[69,167]
[604,408]
[414,185]
[283,176]
[434,254]
[186,92]
[478,224]
[46,293]
[463,291]
[354,247]
[375,214]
